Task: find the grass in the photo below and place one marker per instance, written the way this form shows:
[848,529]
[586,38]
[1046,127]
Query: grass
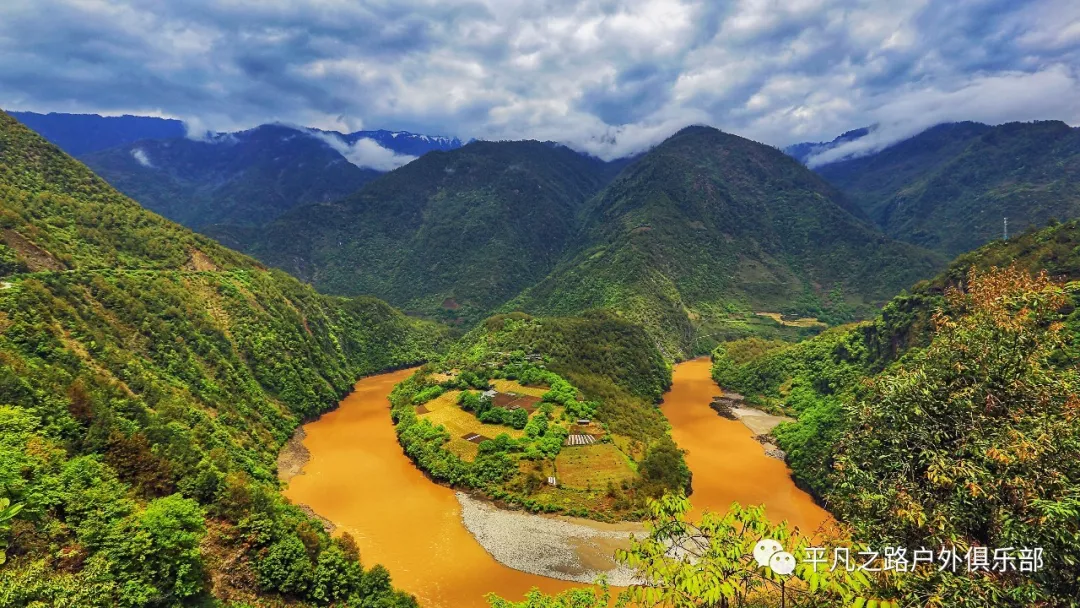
[634,449]
[465,450]
[592,467]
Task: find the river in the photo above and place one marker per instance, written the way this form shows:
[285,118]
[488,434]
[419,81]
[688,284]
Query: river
[358,478]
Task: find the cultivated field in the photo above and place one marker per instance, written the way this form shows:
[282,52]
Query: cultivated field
[444,410]
[803,322]
[592,466]
[510,386]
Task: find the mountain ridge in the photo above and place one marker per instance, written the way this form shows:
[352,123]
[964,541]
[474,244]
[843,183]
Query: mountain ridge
[950,187]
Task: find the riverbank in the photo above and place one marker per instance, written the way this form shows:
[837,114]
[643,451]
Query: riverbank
[566,548]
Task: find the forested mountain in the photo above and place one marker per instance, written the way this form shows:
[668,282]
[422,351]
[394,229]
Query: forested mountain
[80,134]
[240,180]
[246,178]
[914,426]
[149,378]
[453,233]
[950,187]
[708,224]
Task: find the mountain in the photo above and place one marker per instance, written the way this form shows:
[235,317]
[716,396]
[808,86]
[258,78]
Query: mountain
[806,150]
[246,178]
[79,134]
[453,233]
[240,180]
[967,369]
[950,187]
[708,225]
[149,378]
[403,142]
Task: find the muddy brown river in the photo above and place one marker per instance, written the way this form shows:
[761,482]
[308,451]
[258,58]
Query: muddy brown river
[358,478]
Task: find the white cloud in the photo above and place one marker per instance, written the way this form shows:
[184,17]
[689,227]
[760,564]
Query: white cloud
[365,153]
[141,157]
[605,76]
[1050,93]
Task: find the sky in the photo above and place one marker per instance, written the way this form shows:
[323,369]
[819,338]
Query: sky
[607,77]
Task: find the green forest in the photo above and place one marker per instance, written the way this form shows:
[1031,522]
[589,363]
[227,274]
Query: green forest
[949,418]
[148,379]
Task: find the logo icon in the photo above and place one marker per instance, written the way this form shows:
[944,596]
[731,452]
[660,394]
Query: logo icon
[768,552]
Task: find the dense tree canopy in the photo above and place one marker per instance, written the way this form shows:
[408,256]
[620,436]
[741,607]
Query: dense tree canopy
[148,377]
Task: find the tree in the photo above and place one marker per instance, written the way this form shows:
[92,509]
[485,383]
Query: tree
[8,512]
[975,442]
[156,552]
[664,470]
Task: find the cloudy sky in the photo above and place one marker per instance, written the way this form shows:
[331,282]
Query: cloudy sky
[605,76]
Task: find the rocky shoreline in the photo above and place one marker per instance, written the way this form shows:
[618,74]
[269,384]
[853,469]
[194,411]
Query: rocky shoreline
[559,547]
[731,406]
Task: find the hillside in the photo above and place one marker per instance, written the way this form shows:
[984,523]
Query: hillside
[993,372]
[453,233]
[243,179]
[709,228]
[949,188]
[79,134]
[150,377]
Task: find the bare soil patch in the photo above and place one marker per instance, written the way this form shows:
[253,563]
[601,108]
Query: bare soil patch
[36,258]
[293,456]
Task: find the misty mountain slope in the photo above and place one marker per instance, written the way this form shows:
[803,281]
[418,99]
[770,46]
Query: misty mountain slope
[403,142]
[708,224]
[870,180]
[79,134]
[246,178]
[806,150]
[454,233]
[949,188]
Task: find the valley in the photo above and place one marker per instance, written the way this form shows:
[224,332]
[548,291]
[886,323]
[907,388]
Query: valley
[182,423]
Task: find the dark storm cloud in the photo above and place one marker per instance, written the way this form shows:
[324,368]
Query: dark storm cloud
[607,76]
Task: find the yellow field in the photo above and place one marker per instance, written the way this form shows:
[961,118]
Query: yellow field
[459,423]
[444,401]
[592,466]
[510,386]
[803,322]
[441,377]
[465,450]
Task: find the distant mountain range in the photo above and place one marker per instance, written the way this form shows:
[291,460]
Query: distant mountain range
[689,239]
[951,187]
[79,134]
[245,178]
[461,231]
[697,234]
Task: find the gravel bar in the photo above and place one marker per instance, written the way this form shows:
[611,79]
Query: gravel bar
[565,548]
